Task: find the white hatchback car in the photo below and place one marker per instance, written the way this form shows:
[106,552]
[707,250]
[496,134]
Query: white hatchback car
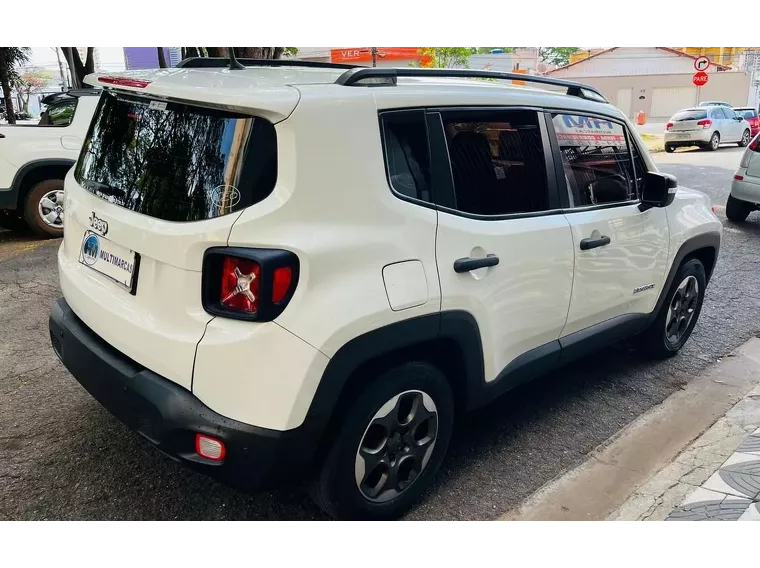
[296,269]
[745,187]
[707,127]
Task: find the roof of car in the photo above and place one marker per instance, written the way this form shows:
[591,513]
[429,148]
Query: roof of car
[278,89]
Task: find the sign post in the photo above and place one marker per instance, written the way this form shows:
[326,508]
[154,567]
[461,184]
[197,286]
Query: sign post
[700,77]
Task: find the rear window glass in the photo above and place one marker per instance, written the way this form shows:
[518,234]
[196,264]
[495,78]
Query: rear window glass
[689,115]
[177,162]
[745,113]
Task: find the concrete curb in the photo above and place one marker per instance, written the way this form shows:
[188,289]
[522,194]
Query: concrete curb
[615,470]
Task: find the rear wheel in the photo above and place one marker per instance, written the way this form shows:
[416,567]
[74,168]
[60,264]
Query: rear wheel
[737,210]
[389,447]
[714,142]
[680,312]
[669,149]
[746,137]
[43,209]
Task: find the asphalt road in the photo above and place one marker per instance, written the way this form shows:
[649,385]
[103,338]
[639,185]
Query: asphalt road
[64,457]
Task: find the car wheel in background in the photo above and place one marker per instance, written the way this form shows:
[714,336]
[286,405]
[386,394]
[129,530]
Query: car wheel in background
[714,142]
[43,210]
[737,210]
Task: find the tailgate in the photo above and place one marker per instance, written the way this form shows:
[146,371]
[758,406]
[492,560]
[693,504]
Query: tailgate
[156,185]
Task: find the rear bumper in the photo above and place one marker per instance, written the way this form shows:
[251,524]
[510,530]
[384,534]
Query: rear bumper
[688,138]
[169,416]
[745,190]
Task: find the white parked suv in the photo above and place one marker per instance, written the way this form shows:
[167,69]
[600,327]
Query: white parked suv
[297,269]
[745,187]
[34,159]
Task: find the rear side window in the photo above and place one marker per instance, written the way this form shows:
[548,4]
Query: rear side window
[61,114]
[689,115]
[729,112]
[717,113]
[596,159]
[406,153]
[177,162]
[746,113]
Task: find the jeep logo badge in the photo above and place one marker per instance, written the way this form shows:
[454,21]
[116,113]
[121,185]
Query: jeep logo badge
[98,225]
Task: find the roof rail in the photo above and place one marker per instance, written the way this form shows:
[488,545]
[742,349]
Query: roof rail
[208,62]
[369,76]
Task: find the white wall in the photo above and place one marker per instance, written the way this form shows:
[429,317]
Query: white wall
[630,61]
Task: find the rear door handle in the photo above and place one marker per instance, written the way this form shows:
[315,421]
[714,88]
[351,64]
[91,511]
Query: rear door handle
[587,244]
[2,135]
[468,264]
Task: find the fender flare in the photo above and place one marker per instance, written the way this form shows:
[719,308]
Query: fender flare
[709,240]
[458,326]
[18,179]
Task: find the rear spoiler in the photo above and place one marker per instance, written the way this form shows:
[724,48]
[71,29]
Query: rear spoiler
[71,93]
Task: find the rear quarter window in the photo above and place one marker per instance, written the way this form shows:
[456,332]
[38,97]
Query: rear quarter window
[177,162]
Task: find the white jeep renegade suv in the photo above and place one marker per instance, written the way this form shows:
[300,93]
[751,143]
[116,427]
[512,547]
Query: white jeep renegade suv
[297,269]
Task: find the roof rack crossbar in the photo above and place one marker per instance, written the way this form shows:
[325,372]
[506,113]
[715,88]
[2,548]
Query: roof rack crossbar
[360,76]
[212,62]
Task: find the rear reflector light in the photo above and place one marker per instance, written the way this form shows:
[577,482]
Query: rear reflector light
[209,448]
[124,82]
[738,177]
[248,284]
[706,123]
[668,126]
[753,145]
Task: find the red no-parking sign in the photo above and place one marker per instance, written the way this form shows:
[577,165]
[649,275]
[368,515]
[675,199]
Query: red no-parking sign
[699,78]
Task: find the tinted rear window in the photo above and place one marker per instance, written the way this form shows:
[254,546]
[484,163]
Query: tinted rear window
[689,115]
[745,113]
[177,162]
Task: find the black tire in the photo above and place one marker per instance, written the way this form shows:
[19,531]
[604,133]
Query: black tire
[737,210]
[714,142]
[31,212]
[746,139]
[335,488]
[669,149]
[655,339]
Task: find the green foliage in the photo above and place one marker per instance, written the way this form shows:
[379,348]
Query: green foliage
[445,56]
[290,51]
[556,55]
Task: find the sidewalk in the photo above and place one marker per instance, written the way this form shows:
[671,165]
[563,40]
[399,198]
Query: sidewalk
[726,489]
[696,456]
[653,135]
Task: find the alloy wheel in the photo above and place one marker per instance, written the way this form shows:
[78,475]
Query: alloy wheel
[396,446]
[50,208]
[682,308]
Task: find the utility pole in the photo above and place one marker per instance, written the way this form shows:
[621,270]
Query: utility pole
[64,81]
[374,57]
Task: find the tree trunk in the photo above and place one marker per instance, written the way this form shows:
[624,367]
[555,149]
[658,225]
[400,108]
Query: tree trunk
[216,52]
[161,58]
[6,85]
[190,52]
[278,52]
[255,52]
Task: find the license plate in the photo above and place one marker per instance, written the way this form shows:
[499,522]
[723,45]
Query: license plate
[682,136]
[106,257]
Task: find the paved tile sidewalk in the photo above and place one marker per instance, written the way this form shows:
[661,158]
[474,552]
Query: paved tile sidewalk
[730,494]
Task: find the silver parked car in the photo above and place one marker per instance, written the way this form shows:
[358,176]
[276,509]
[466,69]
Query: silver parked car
[715,103]
[745,188]
[708,127]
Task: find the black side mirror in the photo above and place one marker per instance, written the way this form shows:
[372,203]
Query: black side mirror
[738,118]
[659,190]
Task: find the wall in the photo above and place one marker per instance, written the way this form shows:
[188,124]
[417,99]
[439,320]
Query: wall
[724,86]
[630,61]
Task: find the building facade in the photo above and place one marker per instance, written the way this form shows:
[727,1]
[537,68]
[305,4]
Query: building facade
[656,80]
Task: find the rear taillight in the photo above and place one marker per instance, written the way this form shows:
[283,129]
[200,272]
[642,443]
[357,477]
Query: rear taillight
[249,284]
[738,177]
[753,145]
[668,126]
[706,123]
